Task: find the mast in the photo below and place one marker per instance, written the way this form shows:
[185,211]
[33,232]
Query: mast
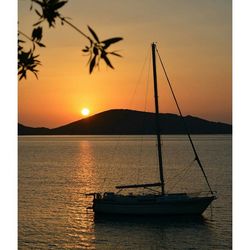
[158,135]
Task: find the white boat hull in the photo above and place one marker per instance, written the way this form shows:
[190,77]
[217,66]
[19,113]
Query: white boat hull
[152,205]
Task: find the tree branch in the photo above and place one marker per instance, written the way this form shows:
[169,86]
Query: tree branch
[20,32]
[74,27]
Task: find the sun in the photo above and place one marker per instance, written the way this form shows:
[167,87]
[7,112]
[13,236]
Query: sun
[85,111]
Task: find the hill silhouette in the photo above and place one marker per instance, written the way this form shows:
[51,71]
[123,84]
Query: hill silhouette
[130,122]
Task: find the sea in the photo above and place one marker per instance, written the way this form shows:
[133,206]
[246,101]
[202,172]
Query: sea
[56,172]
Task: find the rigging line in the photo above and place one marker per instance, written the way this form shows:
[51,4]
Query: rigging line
[147,85]
[118,138]
[181,171]
[184,122]
[143,120]
[139,79]
[145,108]
[156,191]
[180,176]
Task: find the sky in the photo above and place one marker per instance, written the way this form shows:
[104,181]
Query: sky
[193,38]
[241,41]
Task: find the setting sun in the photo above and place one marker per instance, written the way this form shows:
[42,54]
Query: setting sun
[85,111]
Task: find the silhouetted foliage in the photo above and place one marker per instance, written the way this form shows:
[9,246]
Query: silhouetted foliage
[37,34]
[97,50]
[27,62]
[49,11]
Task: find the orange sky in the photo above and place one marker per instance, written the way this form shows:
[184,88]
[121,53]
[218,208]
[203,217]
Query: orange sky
[194,39]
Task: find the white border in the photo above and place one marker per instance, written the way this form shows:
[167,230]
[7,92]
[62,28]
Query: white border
[8,99]
[241,125]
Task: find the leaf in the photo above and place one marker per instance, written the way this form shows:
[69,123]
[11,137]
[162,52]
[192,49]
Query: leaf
[41,44]
[34,72]
[19,48]
[23,74]
[115,54]
[37,23]
[93,34]
[37,34]
[108,42]
[92,64]
[107,61]
[95,50]
[38,2]
[59,5]
[21,41]
[86,49]
[38,13]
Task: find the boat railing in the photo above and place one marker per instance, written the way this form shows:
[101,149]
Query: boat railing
[101,195]
[202,193]
[95,195]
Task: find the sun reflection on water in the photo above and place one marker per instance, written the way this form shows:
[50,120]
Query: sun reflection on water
[81,217]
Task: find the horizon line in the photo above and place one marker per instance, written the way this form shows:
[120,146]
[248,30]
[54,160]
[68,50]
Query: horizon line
[121,109]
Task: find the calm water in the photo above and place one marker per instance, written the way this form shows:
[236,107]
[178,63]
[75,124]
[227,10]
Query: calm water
[56,172]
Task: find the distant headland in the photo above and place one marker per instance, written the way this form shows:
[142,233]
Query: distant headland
[130,122]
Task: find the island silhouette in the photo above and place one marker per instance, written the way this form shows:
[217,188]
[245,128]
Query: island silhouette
[130,122]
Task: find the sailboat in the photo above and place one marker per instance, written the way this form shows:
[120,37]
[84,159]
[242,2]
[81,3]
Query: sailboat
[162,203]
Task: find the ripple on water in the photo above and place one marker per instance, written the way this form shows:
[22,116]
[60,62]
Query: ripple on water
[54,175]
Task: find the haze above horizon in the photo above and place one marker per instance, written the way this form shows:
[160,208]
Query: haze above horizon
[194,39]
